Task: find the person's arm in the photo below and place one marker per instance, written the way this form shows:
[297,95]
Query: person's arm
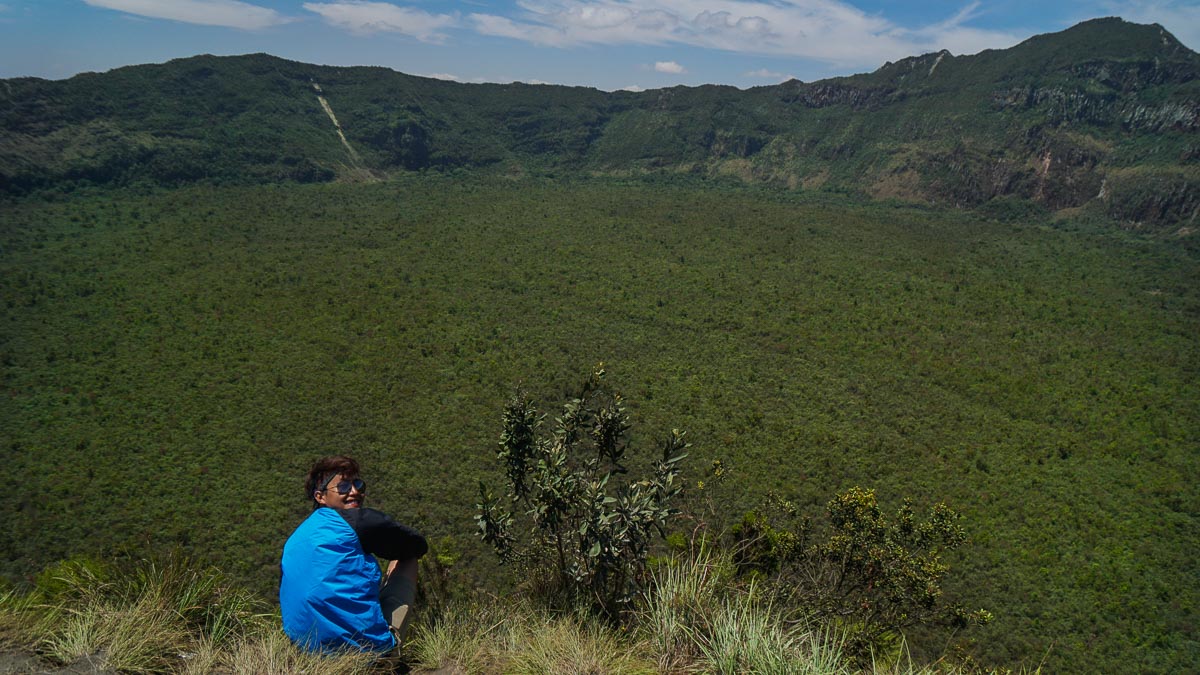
[383,537]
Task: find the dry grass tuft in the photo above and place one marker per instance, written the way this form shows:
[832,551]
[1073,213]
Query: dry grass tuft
[489,638]
[149,617]
[565,645]
[138,637]
[697,620]
[19,616]
[271,653]
[461,638]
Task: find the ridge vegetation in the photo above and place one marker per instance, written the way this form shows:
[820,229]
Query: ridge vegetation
[1102,115]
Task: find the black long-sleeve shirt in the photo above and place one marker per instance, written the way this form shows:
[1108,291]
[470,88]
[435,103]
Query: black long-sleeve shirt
[383,537]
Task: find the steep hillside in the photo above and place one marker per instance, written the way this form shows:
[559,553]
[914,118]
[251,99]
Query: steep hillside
[1103,114]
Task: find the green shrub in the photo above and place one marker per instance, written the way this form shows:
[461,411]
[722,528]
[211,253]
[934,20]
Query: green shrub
[591,534]
[872,575]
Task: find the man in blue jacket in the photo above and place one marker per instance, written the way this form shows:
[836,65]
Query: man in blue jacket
[330,592]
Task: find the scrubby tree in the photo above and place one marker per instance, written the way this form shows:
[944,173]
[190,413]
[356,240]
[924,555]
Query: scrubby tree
[569,512]
[871,574]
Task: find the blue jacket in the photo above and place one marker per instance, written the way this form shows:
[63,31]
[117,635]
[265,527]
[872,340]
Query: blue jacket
[329,590]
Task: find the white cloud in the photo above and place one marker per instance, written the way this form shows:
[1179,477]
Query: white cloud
[489,24]
[364,18]
[952,34]
[227,13]
[669,67]
[633,87]
[765,74]
[443,76]
[829,30]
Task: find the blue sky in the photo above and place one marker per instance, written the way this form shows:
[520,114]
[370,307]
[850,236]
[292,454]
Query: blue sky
[609,44]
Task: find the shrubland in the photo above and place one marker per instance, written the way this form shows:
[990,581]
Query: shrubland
[592,597]
[174,360]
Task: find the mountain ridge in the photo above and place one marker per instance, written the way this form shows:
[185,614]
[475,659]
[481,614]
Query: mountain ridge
[1102,116]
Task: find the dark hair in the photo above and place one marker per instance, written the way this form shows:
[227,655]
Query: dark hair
[327,468]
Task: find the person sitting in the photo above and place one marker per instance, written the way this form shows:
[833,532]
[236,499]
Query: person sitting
[330,591]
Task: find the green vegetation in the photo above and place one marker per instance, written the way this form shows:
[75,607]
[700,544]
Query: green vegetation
[152,616]
[585,539]
[587,535]
[173,361]
[204,290]
[1062,121]
[166,616]
[161,615]
[870,576]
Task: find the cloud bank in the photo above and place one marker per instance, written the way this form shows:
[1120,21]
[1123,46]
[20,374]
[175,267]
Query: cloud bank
[827,30]
[831,31]
[365,18]
[821,29]
[226,13]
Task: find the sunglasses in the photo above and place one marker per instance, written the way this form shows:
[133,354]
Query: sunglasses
[344,487]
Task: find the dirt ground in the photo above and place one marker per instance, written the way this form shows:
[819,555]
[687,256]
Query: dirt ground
[16,663]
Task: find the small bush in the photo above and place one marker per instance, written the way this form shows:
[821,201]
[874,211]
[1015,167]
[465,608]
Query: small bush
[576,518]
[869,574]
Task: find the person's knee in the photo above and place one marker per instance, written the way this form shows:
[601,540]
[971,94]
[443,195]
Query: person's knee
[400,589]
[407,567]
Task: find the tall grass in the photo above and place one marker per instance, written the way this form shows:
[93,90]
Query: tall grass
[168,616]
[155,616]
[461,638]
[696,618]
[745,635]
[682,596]
[18,617]
[111,619]
[137,637]
[269,652]
[494,637]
